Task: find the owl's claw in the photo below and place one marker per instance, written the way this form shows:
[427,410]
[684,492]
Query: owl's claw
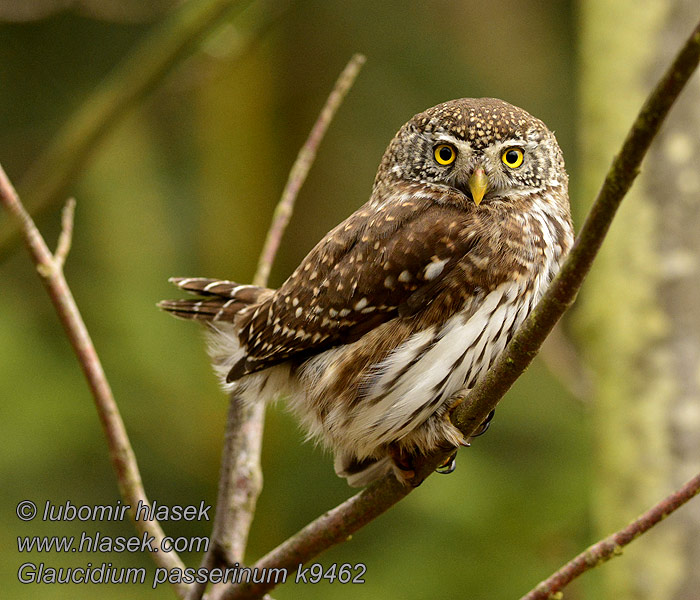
[483,428]
[448,466]
[450,463]
[404,469]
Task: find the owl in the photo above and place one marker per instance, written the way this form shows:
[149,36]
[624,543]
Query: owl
[411,298]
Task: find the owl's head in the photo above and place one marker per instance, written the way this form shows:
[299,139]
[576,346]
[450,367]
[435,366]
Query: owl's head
[483,147]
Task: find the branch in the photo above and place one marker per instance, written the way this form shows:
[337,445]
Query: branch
[65,238]
[612,545]
[136,76]
[50,269]
[562,292]
[347,518]
[240,479]
[335,526]
[300,169]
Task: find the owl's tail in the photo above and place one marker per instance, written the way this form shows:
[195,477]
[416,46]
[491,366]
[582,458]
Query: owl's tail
[221,300]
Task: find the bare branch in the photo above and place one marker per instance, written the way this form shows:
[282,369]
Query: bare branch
[240,479]
[65,239]
[170,43]
[300,169]
[612,545]
[240,483]
[349,516]
[120,451]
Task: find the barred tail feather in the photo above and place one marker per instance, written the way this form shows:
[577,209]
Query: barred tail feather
[214,309]
[205,286]
[221,301]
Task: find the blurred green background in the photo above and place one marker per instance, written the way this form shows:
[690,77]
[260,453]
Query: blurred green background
[185,185]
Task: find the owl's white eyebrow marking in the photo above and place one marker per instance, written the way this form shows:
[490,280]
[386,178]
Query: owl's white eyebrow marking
[446,137]
[515,142]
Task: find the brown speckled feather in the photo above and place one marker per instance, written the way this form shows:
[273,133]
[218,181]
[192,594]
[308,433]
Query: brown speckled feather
[360,275]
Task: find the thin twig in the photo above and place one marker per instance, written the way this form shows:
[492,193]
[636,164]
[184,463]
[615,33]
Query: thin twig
[348,517]
[65,239]
[612,545]
[50,269]
[171,42]
[240,477]
[300,169]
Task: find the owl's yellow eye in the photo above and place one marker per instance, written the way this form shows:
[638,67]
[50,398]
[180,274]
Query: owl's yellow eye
[444,154]
[513,158]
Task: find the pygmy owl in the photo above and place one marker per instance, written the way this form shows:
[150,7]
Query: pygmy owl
[408,300]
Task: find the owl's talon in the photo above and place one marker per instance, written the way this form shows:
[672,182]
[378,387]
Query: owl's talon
[448,466]
[456,401]
[484,427]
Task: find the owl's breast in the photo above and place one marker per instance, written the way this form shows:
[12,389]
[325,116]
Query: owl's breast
[392,397]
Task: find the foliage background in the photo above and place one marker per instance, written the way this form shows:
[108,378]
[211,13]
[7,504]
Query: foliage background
[185,186]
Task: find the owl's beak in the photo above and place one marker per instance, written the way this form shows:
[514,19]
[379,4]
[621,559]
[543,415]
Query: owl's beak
[478,184]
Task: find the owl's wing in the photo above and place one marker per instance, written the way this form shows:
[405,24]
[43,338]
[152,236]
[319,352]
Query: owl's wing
[382,262]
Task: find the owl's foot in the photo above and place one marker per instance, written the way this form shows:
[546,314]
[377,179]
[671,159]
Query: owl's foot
[404,468]
[403,464]
[483,427]
[450,463]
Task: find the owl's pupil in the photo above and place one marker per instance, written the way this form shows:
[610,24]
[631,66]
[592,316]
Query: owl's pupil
[511,156]
[445,153]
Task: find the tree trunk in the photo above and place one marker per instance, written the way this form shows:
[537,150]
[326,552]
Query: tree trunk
[639,315]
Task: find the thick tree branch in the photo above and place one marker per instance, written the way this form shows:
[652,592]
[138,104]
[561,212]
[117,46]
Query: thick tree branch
[337,525]
[171,42]
[240,479]
[50,269]
[612,545]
